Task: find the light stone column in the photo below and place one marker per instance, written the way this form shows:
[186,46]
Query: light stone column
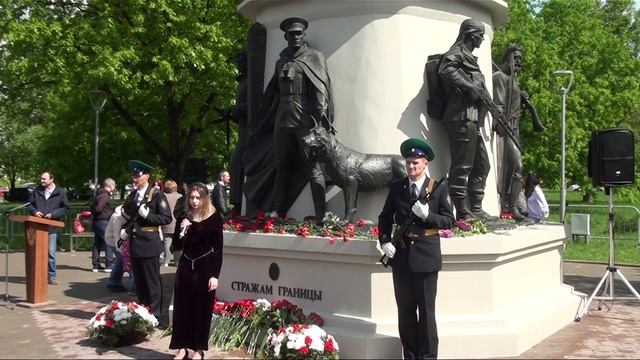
[376,52]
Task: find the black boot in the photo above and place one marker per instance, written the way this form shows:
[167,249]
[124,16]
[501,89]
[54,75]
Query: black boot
[516,188]
[462,210]
[476,208]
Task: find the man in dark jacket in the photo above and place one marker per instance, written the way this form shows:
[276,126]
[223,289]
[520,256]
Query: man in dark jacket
[416,265]
[147,209]
[50,202]
[463,118]
[101,212]
[220,193]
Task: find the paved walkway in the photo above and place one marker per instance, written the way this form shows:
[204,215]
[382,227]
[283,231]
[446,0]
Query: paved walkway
[59,331]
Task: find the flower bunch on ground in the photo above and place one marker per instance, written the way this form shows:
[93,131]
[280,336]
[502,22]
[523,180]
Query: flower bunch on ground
[119,323]
[301,342]
[465,227]
[332,227]
[245,322]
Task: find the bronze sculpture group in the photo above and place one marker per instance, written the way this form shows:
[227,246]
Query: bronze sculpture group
[291,140]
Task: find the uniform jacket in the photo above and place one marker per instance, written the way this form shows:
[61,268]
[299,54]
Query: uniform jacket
[460,105]
[423,254]
[147,243]
[57,205]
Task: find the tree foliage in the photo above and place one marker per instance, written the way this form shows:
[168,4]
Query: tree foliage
[599,41]
[166,66]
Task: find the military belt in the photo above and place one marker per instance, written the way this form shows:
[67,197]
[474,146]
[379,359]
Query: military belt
[412,235]
[146,229]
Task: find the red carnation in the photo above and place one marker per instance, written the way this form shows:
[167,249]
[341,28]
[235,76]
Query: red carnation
[304,351]
[109,323]
[328,346]
[361,223]
[308,340]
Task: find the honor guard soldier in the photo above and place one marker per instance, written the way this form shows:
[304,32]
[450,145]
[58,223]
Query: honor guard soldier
[147,209]
[420,207]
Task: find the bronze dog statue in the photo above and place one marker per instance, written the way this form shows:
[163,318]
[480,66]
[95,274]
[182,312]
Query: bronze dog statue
[351,170]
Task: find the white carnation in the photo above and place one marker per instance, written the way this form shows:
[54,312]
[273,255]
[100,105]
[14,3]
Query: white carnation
[276,351]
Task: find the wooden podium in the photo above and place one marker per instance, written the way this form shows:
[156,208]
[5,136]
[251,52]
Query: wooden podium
[36,237]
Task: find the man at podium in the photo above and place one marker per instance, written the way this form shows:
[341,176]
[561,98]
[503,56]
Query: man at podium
[50,202]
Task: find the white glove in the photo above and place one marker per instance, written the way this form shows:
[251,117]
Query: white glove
[123,234]
[143,211]
[389,249]
[421,210]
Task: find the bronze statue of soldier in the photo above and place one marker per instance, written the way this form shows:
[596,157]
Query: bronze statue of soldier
[463,117]
[238,113]
[301,100]
[510,100]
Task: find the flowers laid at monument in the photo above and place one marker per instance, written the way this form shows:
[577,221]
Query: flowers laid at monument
[120,324]
[301,342]
[246,323]
[464,228]
[333,227]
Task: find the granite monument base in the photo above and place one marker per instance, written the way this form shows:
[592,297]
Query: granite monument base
[498,294]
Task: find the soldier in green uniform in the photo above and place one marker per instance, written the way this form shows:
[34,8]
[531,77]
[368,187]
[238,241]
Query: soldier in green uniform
[147,209]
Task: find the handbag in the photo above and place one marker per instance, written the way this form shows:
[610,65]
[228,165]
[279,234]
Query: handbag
[77,225]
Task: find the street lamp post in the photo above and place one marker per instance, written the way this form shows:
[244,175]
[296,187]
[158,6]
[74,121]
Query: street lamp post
[564,80]
[97,98]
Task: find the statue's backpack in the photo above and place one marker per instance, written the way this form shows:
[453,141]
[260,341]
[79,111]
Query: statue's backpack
[437,100]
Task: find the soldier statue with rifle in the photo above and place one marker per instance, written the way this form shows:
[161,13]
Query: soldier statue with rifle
[420,207]
[509,100]
[463,117]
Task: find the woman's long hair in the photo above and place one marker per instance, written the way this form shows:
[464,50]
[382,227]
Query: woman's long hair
[207,208]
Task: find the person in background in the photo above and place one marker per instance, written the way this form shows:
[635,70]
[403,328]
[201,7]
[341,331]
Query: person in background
[168,231]
[49,201]
[220,194]
[101,212]
[536,202]
[112,237]
[197,275]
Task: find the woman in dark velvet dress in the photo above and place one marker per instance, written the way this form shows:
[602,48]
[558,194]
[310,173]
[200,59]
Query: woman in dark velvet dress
[200,240]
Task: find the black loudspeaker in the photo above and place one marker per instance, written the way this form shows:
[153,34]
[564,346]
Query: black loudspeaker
[612,157]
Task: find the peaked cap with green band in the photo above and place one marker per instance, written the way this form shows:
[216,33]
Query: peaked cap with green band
[417,148]
[138,167]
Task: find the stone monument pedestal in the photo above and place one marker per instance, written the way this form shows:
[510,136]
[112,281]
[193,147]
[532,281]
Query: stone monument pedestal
[498,294]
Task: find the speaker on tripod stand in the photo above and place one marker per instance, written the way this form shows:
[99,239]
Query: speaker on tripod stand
[611,164]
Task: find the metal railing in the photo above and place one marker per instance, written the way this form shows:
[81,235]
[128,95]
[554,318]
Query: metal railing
[626,222]
[17,229]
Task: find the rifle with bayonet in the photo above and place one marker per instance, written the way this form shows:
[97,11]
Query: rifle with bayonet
[497,115]
[397,240]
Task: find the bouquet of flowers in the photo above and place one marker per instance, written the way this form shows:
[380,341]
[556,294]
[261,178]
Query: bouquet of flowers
[245,322]
[301,342]
[119,324]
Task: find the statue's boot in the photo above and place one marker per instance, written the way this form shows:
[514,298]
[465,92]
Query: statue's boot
[516,215]
[462,210]
[475,206]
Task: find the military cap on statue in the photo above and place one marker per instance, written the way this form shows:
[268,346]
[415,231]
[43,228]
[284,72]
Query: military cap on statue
[138,167]
[417,148]
[294,23]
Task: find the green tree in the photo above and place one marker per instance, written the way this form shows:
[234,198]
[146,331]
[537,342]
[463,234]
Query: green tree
[598,41]
[166,66]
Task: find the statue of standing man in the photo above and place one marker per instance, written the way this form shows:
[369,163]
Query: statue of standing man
[301,99]
[463,117]
[510,100]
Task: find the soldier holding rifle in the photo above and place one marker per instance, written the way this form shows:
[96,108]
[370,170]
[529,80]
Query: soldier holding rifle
[509,100]
[463,118]
[415,254]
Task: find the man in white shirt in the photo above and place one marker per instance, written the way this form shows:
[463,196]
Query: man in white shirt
[536,202]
